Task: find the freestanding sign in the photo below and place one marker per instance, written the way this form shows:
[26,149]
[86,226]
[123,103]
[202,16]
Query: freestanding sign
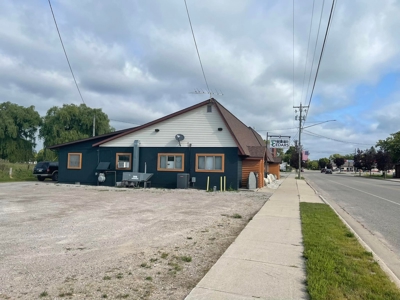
[279,142]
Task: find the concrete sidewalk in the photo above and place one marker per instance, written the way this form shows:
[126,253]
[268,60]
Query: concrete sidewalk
[265,261]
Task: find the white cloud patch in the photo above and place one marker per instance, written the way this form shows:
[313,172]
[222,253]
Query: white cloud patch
[137,61]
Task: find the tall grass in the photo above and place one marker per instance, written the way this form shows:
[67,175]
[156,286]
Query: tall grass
[20,171]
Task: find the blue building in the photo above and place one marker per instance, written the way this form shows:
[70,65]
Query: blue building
[204,141]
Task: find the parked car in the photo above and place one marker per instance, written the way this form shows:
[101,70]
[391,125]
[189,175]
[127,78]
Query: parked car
[46,169]
[328,171]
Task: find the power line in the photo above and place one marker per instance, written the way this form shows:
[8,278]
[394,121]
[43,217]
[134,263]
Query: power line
[315,47]
[325,137]
[124,122]
[322,52]
[293,54]
[333,13]
[293,62]
[198,54]
[66,56]
[69,64]
[273,130]
[308,47]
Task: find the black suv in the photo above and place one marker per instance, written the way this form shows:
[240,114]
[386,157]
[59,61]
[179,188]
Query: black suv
[46,169]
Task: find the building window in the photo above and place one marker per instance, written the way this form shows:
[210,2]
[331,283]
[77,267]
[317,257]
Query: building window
[74,161]
[210,162]
[209,108]
[123,161]
[170,162]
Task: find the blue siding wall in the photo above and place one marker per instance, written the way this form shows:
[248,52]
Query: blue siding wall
[91,156]
[169,179]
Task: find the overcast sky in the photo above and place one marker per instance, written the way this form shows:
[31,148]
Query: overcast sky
[136,60]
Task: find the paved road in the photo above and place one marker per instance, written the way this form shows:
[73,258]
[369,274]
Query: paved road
[375,204]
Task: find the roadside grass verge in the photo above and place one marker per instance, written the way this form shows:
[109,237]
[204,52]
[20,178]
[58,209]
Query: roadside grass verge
[338,267]
[20,172]
[378,176]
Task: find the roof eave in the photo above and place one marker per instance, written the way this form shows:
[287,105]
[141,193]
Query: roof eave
[242,152]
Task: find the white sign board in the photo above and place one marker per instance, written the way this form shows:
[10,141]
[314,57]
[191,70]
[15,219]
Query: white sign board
[279,142]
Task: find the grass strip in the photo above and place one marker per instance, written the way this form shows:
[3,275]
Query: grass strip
[338,267]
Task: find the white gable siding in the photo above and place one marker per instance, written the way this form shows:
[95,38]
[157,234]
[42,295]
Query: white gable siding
[199,128]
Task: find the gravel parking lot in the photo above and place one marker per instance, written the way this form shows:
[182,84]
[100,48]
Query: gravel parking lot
[82,242]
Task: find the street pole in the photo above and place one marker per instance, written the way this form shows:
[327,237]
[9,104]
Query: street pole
[94,125]
[301,118]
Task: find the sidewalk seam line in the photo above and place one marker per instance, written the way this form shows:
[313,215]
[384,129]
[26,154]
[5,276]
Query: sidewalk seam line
[225,292]
[263,262]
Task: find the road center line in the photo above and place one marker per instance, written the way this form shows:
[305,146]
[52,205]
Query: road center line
[366,192]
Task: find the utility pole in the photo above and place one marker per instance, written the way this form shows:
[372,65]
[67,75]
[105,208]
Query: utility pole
[94,125]
[300,118]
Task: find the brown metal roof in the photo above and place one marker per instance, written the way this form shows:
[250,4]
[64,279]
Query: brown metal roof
[245,136]
[257,151]
[270,157]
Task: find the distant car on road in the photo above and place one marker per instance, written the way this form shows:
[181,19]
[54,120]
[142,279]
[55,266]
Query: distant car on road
[328,171]
[46,169]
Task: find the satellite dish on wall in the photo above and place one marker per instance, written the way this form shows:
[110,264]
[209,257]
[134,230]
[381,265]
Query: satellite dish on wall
[179,137]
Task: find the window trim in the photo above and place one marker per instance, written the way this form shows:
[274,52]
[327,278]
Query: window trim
[126,154]
[170,154]
[80,161]
[222,155]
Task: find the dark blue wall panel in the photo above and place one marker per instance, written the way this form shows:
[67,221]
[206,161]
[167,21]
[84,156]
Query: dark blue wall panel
[92,155]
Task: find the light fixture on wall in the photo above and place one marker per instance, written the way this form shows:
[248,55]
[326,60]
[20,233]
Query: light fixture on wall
[220,129]
[156,130]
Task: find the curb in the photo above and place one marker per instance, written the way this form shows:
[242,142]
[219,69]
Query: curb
[382,264]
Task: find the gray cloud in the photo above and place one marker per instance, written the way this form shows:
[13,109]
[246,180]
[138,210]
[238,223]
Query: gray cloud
[136,60]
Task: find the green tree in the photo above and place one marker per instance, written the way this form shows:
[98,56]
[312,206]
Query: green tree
[369,159]
[18,126]
[322,162]
[391,145]
[383,161]
[313,165]
[339,161]
[294,158]
[46,155]
[348,156]
[279,152]
[71,122]
[333,156]
[288,154]
[358,159]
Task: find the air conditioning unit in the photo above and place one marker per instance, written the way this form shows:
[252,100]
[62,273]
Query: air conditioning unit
[123,164]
